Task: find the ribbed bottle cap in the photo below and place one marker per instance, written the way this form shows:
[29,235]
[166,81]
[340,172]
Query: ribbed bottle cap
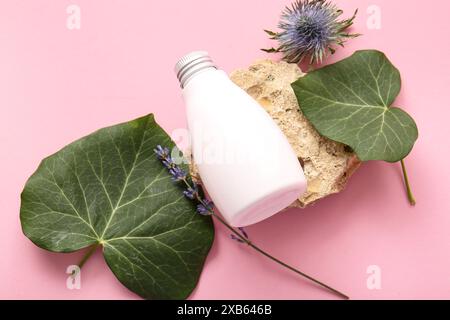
[192,63]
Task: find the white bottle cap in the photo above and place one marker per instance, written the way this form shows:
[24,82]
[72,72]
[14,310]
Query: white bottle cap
[192,63]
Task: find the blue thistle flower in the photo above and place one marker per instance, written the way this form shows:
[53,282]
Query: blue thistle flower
[310,28]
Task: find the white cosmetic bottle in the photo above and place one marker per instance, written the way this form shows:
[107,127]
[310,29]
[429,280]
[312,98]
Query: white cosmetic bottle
[244,160]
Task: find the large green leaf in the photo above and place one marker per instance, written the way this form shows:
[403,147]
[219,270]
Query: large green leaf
[350,102]
[109,189]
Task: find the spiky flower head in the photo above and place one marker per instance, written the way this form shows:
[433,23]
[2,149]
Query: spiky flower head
[310,28]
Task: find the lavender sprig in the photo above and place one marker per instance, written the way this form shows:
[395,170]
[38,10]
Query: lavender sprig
[206,207]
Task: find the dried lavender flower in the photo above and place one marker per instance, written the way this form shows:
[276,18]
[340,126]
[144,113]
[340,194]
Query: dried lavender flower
[233,237]
[310,28]
[191,192]
[177,173]
[205,208]
[162,152]
[244,233]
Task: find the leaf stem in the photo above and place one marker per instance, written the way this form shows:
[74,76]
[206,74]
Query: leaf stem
[87,255]
[411,198]
[256,248]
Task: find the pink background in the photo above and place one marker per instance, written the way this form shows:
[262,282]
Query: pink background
[57,85]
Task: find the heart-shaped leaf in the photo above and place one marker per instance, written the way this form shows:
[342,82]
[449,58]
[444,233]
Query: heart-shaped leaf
[350,102]
[109,189]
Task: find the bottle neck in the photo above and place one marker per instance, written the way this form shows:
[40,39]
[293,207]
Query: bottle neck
[191,65]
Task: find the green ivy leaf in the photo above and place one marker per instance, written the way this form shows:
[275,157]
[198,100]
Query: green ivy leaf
[350,102]
[109,189]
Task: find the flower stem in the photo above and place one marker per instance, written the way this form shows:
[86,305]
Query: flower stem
[248,242]
[411,198]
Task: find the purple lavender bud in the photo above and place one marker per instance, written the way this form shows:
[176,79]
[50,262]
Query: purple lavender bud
[244,233]
[209,204]
[205,208]
[191,192]
[162,152]
[177,173]
[168,162]
[202,210]
[233,237]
